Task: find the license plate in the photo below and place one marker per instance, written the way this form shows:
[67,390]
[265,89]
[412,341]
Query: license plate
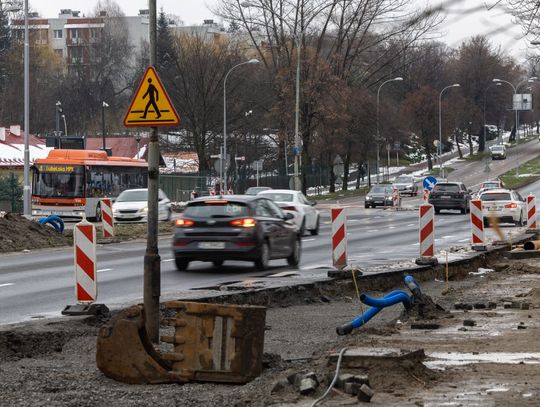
[212,245]
[446,197]
[494,208]
[378,201]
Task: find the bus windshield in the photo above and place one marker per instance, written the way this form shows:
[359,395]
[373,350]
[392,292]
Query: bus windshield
[58,181]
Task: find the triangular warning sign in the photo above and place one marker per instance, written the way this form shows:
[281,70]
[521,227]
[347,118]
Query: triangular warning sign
[151,105]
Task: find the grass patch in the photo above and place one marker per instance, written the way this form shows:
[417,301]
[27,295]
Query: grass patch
[340,194]
[531,167]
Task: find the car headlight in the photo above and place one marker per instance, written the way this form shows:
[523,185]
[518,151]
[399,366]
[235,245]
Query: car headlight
[114,210]
[145,209]
[368,198]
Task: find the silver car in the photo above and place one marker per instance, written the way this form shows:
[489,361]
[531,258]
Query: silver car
[132,206]
[406,185]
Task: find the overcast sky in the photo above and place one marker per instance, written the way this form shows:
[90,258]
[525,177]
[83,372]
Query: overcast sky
[461,21]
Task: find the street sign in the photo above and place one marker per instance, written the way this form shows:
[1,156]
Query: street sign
[257,165]
[151,105]
[339,181]
[338,168]
[429,182]
[217,163]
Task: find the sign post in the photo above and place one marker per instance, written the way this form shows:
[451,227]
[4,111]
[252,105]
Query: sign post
[151,107]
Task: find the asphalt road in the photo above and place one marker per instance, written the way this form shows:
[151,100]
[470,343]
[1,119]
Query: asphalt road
[41,283]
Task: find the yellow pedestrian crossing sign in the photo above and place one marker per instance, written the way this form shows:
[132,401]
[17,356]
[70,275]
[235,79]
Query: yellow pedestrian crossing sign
[151,105]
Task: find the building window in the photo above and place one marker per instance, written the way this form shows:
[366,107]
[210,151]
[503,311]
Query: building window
[57,34]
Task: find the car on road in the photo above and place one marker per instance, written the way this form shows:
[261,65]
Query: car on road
[506,205]
[132,206]
[487,185]
[406,185]
[235,227]
[450,195]
[256,190]
[306,216]
[498,152]
[379,195]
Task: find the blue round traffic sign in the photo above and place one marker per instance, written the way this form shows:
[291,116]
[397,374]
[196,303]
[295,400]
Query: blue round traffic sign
[429,182]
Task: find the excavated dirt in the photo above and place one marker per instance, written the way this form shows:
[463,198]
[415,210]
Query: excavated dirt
[18,233]
[52,363]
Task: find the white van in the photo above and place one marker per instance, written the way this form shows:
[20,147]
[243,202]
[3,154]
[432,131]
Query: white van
[498,152]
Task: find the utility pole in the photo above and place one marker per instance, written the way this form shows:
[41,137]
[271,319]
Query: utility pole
[152,260]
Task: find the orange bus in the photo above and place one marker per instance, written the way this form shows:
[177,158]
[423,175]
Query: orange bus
[69,183]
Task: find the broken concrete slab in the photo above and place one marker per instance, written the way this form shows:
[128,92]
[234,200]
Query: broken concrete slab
[308,386]
[365,393]
[369,357]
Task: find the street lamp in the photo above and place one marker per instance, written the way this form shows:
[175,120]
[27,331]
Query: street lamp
[27,206]
[399,78]
[103,106]
[58,111]
[455,85]
[516,117]
[224,156]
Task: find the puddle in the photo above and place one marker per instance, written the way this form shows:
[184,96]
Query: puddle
[441,360]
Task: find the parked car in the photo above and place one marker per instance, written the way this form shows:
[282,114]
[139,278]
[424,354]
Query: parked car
[132,206]
[379,195]
[235,227]
[256,190]
[406,185]
[306,216]
[498,152]
[505,205]
[492,132]
[450,195]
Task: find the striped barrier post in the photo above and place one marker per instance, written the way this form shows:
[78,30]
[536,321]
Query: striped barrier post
[426,234]
[84,239]
[477,226]
[425,197]
[107,218]
[339,238]
[531,213]
[396,198]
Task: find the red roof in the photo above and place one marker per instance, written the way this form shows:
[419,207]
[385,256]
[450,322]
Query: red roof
[121,146]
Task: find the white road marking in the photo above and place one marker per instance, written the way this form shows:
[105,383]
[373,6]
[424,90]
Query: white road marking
[308,240]
[447,237]
[409,225]
[464,240]
[102,270]
[415,244]
[392,227]
[6,284]
[373,230]
[168,260]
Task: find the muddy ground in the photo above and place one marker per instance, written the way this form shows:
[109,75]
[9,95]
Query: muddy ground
[479,356]
[18,233]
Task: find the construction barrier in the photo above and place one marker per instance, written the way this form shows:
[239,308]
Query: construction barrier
[531,212]
[396,198]
[339,238]
[425,197]
[107,218]
[477,225]
[84,239]
[427,227]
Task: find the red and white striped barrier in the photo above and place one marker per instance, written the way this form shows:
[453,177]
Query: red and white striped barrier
[107,218]
[425,197]
[427,229]
[531,212]
[84,239]
[477,225]
[396,198]
[339,238]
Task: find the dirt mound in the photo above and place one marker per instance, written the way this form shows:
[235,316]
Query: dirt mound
[18,233]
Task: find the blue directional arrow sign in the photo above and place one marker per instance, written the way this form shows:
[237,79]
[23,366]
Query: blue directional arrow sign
[429,182]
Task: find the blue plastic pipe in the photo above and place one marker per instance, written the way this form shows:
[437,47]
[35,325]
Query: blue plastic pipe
[391,298]
[55,221]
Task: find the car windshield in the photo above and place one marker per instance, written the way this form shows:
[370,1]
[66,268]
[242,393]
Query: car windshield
[403,180]
[490,185]
[133,196]
[446,188]
[496,196]
[217,209]
[279,196]
[381,189]
[497,148]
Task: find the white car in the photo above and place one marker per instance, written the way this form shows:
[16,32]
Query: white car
[505,205]
[306,217]
[132,206]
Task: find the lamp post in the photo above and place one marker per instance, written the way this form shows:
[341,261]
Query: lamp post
[103,106]
[455,85]
[516,117]
[399,78]
[58,111]
[27,209]
[224,155]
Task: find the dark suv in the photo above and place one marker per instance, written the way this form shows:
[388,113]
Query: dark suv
[235,227]
[450,195]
